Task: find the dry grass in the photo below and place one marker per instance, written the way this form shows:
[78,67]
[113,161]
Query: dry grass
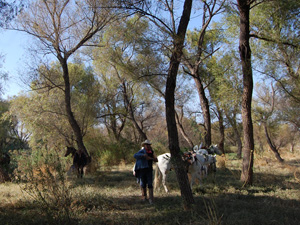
[112,196]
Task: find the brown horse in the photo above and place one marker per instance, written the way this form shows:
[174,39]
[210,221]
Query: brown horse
[80,160]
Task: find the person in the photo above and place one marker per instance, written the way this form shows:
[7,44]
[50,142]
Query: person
[144,169]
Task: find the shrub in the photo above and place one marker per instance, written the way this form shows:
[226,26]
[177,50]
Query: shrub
[44,174]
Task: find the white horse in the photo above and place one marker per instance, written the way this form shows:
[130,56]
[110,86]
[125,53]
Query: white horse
[164,165]
[198,162]
[200,167]
[213,149]
[209,154]
[206,161]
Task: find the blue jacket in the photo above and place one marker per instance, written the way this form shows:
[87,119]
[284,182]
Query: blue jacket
[141,161]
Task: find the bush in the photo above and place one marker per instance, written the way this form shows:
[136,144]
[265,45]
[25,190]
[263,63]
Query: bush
[44,174]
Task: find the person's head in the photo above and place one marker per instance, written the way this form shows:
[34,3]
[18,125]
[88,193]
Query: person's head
[146,144]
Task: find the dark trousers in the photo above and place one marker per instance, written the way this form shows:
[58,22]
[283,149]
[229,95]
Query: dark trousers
[146,178]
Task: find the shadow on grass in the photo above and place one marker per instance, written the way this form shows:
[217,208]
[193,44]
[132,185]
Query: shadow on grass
[267,202]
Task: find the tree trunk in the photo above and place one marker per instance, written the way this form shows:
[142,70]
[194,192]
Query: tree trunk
[237,135]
[221,130]
[239,142]
[271,145]
[205,109]
[181,174]
[75,127]
[245,55]
[4,177]
[128,104]
[182,131]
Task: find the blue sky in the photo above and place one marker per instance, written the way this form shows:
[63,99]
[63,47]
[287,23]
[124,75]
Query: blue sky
[12,47]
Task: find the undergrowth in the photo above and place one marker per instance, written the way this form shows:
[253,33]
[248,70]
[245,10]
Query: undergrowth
[113,197]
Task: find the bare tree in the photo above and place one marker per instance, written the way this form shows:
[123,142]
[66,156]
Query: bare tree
[268,115]
[62,28]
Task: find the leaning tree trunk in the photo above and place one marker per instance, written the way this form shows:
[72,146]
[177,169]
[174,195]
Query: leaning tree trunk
[181,174]
[271,145]
[205,109]
[245,55]
[73,122]
[182,131]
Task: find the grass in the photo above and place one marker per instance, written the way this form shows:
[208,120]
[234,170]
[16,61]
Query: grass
[113,197]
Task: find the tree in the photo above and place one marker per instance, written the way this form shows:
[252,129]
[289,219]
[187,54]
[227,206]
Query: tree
[269,16]
[176,54]
[172,37]
[194,61]
[62,28]
[227,89]
[244,7]
[121,65]
[276,49]
[8,11]
[265,113]
[42,111]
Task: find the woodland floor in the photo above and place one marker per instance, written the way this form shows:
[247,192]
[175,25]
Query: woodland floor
[112,196]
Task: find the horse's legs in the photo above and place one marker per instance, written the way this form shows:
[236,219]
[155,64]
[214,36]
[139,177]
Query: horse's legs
[78,172]
[196,173]
[192,180]
[157,178]
[81,172]
[164,181]
[205,170]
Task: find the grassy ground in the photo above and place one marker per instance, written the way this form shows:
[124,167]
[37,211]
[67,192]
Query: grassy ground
[113,197]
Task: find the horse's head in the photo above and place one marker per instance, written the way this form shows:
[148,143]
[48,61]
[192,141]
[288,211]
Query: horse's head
[70,150]
[215,150]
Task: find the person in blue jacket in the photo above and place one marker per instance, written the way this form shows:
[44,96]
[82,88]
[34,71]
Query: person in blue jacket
[144,169]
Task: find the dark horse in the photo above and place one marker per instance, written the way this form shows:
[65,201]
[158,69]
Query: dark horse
[80,160]
[4,159]
[4,167]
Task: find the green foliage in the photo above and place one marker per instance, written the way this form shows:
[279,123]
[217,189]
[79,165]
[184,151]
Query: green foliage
[123,66]
[11,135]
[43,112]
[114,153]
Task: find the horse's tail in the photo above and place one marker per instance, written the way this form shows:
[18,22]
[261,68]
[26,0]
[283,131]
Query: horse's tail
[157,177]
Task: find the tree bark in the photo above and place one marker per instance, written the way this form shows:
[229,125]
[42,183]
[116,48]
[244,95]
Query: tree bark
[271,145]
[237,135]
[181,174]
[182,131]
[205,110]
[73,122]
[221,130]
[239,142]
[245,55]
